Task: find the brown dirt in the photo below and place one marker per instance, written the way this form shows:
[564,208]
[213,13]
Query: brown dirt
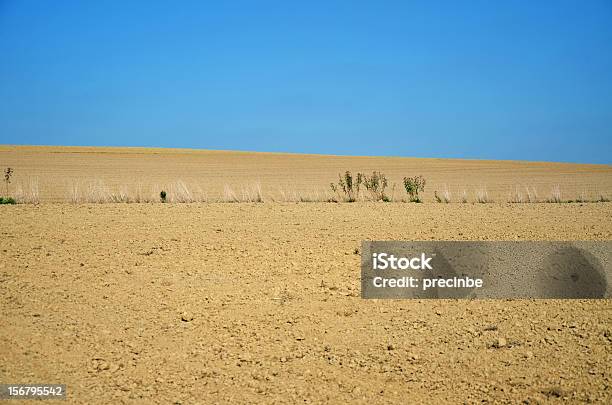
[212,303]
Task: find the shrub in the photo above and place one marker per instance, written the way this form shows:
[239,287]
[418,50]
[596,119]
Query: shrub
[162,196]
[376,185]
[413,186]
[464,197]
[7,200]
[348,185]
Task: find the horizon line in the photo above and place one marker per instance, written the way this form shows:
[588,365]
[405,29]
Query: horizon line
[194,149]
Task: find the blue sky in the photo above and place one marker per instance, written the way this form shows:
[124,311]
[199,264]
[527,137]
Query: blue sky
[529,80]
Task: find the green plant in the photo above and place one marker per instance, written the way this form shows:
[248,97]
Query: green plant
[348,185]
[7,178]
[162,196]
[376,185]
[7,200]
[413,186]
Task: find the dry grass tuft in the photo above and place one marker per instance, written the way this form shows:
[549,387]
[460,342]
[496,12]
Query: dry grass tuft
[252,194]
[28,193]
[517,196]
[555,195]
[444,196]
[178,192]
[582,197]
[531,194]
[228,195]
[482,196]
[97,192]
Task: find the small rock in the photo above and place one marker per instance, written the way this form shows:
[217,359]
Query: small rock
[555,392]
[186,317]
[499,343]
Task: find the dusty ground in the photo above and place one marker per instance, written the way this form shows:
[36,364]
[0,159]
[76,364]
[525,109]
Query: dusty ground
[212,303]
[206,173]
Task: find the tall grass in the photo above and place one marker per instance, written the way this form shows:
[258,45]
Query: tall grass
[602,198]
[531,194]
[140,196]
[482,196]
[228,195]
[27,193]
[444,196]
[555,195]
[97,191]
[304,197]
[252,193]
[517,196]
[520,196]
[582,198]
[180,193]
[121,196]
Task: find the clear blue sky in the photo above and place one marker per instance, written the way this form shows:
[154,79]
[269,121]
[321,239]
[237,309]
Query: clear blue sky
[528,80]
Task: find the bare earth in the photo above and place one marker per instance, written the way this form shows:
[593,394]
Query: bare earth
[212,303]
[206,173]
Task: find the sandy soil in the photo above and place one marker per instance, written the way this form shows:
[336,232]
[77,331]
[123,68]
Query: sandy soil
[206,173]
[212,303]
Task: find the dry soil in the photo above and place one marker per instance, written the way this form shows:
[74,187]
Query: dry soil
[218,303]
[212,303]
